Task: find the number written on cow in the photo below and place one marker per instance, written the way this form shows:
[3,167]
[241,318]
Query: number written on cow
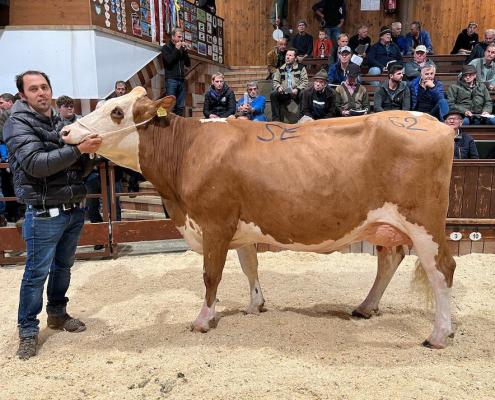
[277,131]
[408,123]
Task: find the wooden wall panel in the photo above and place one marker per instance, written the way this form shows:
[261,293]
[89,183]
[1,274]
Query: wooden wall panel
[50,12]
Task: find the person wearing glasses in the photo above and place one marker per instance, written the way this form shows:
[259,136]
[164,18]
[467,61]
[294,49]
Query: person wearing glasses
[464,147]
[252,106]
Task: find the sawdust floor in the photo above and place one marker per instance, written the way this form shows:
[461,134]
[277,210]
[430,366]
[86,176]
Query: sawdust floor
[138,346]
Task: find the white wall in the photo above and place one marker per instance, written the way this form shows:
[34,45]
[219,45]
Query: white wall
[83,64]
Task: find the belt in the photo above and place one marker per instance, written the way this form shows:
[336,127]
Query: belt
[61,207]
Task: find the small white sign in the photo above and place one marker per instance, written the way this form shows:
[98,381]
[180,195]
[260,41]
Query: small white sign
[456,236]
[475,236]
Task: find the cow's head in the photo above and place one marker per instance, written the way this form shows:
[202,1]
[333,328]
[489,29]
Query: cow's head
[117,122]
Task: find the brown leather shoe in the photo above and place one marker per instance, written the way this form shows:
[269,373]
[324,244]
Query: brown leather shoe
[66,323]
[27,347]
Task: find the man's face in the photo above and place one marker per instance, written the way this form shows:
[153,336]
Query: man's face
[471,29]
[468,78]
[489,37]
[320,84]
[301,28]
[252,91]
[387,38]
[67,111]
[322,35]
[428,74]
[218,83]
[5,105]
[37,93]
[177,37]
[290,57]
[397,30]
[282,45]
[397,76]
[363,33]
[345,56]
[414,30]
[343,41]
[419,56]
[489,54]
[120,89]
[352,80]
[454,121]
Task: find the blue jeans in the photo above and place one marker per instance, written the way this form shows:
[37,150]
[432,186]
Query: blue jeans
[51,247]
[440,109]
[177,88]
[333,33]
[375,71]
[479,121]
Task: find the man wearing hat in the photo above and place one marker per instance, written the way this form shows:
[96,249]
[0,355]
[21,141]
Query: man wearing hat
[302,41]
[392,94]
[416,37]
[383,52]
[414,67]
[318,102]
[464,146]
[336,73]
[471,98]
[351,97]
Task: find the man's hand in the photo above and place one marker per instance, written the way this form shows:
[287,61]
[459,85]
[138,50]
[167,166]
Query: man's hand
[299,59]
[213,116]
[429,84]
[280,89]
[295,91]
[345,113]
[491,87]
[485,113]
[89,146]
[468,113]
[179,45]
[385,69]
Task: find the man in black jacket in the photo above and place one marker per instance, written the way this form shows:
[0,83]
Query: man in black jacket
[48,178]
[175,58]
[318,102]
[219,99]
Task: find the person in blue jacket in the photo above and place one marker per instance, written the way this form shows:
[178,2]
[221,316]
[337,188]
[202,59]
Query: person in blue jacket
[416,37]
[337,72]
[428,94]
[254,109]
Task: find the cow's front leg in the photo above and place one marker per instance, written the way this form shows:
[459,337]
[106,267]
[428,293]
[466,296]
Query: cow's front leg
[214,256]
[387,265]
[248,257]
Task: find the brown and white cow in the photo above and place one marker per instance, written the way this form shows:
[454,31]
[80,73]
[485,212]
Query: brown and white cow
[315,187]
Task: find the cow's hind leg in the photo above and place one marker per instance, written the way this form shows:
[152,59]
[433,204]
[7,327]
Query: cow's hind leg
[214,255]
[249,262]
[388,261]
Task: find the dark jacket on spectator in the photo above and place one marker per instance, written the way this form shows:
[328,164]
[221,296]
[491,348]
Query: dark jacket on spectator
[434,94]
[379,55]
[46,170]
[336,75]
[333,11]
[303,44]
[355,41]
[383,101]
[413,70]
[465,147]
[424,39]
[307,103]
[464,41]
[401,42]
[478,52]
[222,105]
[174,61]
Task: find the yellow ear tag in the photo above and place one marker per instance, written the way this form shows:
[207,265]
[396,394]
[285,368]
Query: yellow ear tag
[161,112]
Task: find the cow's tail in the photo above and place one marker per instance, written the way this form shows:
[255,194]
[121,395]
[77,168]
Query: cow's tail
[420,283]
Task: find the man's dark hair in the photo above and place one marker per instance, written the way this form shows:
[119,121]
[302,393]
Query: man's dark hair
[64,101]
[19,79]
[394,69]
[416,24]
[292,49]
[8,97]
[118,83]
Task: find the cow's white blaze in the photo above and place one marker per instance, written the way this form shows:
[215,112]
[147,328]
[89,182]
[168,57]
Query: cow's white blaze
[416,113]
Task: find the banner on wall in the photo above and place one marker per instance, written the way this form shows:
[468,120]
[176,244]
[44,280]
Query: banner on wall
[153,20]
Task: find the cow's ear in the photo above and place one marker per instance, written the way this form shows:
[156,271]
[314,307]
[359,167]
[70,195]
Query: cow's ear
[165,105]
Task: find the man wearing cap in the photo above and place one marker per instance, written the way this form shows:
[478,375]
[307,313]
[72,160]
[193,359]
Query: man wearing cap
[416,37]
[414,67]
[485,67]
[302,41]
[288,84]
[392,94]
[332,13]
[318,102]
[337,72]
[351,97]
[383,52]
[471,98]
[464,147]
[428,94]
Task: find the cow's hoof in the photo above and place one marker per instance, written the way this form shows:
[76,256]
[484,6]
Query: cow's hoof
[357,314]
[203,327]
[430,345]
[256,310]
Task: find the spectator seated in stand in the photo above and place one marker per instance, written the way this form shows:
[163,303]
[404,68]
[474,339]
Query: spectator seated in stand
[337,72]
[219,98]
[485,67]
[302,42]
[383,53]
[397,38]
[65,105]
[276,57]
[392,94]
[414,67]
[361,38]
[251,106]
[416,37]
[466,40]
[352,98]
[480,48]
[342,41]
[323,45]
[464,146]
[318,102]
[471,98]
[289,82]
[428,94]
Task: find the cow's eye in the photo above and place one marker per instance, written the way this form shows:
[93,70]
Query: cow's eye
[117,114]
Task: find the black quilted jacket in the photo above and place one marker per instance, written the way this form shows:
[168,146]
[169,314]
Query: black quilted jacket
[46,170]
